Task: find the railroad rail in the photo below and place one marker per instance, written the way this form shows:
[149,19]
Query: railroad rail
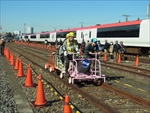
[92,98]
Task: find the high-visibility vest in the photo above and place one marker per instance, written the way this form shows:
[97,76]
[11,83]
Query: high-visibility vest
[69,47]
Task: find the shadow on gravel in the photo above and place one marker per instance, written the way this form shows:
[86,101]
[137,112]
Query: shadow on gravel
[49,103]
[108,78]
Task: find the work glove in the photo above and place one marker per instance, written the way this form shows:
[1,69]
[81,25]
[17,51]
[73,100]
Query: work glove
[53,53]
[65,53]
[78,53]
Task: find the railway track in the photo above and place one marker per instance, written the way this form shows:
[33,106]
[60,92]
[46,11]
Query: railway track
[103,106]
[143,59]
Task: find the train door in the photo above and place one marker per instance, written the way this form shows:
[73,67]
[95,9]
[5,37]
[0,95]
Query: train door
[53,37]
[79,36]
[86,34]
[93,33]
[37,37]
[82,35]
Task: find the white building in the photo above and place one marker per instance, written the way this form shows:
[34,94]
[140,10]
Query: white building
[17,33]
[29,30]
[148,11]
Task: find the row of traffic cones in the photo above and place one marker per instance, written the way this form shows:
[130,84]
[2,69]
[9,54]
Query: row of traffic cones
[119,59]
[40,95]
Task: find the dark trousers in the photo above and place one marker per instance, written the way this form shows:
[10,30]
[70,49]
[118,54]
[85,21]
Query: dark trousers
[62,58]
[91,56]
[2,50]
[67,58]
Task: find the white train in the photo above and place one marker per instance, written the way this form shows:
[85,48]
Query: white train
[133,34]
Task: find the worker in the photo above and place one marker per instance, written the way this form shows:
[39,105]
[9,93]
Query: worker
[89,50]
[2,45]
[69,46]
[60,50]
[92,48]
[61,43]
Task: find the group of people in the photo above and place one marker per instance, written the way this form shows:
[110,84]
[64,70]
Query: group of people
[71,46]
[113,49]
[2,45]
[110,49]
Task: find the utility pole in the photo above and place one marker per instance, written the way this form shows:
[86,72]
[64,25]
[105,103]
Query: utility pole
[24,28]
[54,28]
[81,23]
[82,35]
[148,12]
[126,17]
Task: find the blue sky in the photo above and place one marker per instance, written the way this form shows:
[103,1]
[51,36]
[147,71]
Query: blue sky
[47,15]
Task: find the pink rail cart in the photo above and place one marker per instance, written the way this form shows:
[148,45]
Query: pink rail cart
[80,69]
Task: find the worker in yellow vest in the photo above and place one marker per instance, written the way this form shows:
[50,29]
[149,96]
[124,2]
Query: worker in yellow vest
[69,46]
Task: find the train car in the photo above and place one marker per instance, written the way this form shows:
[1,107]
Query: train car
[134,34]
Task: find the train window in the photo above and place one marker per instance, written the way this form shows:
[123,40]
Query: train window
[89,34]
[44,35]
[33,36]
[26,37]
[121,31]
[81,34]
[62,34]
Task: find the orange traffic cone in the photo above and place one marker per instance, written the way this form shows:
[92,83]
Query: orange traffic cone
[47,65]
[119,58]
[16,64]
[105,57]
[10,55]
[20,70]
[40,96]
[67,108]
[5,51]
[29,81]
[12,60]
[137,61]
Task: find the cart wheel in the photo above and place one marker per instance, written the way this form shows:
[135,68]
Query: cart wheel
[46,66]
[50,69]
[98,82]
[61,75]
[70,80]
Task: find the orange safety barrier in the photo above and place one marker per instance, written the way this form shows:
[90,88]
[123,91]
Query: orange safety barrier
[16,64]
[119,58]
[105,57]
[137,61]
[51,60]
[12,60]
[10,55]
[40,95]
[67,108]
[29,80]
[20,70]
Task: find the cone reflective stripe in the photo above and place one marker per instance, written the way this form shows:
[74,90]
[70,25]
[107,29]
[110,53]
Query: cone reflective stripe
[40,96]
[137,61]
[119,58]
[20,70]
[29,81]
[16,64]
[67,108]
